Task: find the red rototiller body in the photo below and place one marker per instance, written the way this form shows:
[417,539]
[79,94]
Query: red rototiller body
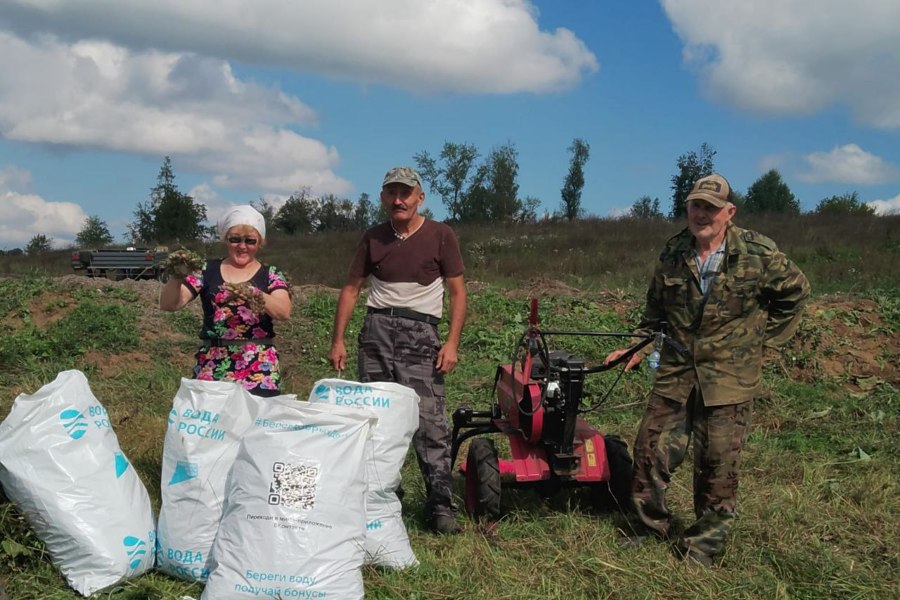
[537,404]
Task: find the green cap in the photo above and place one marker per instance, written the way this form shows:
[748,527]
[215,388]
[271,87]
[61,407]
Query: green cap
[405,175]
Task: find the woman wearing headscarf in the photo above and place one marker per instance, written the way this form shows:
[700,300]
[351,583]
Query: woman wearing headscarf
[241,299]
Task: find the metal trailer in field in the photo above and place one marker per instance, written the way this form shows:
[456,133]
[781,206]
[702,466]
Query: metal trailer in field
[128,263]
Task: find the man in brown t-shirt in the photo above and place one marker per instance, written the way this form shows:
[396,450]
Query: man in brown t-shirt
[409,261]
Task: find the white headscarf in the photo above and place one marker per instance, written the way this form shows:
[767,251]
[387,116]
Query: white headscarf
[241,215]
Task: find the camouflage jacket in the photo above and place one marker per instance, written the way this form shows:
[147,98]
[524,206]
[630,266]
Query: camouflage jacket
[755,300]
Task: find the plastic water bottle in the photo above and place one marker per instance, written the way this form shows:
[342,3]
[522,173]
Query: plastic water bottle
[653,363]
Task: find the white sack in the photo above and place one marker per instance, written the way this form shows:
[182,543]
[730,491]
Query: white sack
[294,516]
[61,465]
[397,408]
[206,424]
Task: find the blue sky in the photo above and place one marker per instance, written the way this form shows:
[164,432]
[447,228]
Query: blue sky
[259,98]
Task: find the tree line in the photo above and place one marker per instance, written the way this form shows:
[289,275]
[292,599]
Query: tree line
[472,188]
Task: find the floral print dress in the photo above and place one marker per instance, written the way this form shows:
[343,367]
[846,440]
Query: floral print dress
[230,327]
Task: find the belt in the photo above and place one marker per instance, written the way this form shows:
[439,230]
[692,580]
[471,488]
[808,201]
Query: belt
[406,313]
[220,342]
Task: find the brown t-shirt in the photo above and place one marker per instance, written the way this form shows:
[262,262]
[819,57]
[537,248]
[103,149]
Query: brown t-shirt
[408,273]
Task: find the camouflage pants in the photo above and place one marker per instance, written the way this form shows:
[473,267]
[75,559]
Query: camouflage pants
[719,433]
[404,351]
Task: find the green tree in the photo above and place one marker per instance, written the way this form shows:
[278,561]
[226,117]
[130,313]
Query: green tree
[38,245]
[496,197]
[474,193]
[574,182]
[143,228]
[845,204]
[366,212]
[646,208]
[168,215]
[691,167]
[770,194]
[528,208]
[334,214]
[297,215]
[450,178]
[94,232]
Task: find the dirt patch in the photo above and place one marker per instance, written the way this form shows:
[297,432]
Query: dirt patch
[846,340]
[50,307]
[111,365]
[543,287]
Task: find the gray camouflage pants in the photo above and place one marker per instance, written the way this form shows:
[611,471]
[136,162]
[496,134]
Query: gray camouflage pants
[660,447]
[404,351]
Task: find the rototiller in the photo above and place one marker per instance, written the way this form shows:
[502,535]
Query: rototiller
[536,404]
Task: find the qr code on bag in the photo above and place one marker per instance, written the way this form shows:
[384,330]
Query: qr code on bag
[294,486]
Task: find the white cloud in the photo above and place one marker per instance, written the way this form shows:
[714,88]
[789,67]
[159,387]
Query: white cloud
[22,216]
[96,95]
[796,56]
[886,207]
[155,78]
[12,178]
[848,164]
[477,46]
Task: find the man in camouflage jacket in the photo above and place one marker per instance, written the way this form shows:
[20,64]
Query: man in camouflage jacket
[722,293]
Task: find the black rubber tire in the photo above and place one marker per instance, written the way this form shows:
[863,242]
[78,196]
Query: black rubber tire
[613,495]
[482,480]
[620,467]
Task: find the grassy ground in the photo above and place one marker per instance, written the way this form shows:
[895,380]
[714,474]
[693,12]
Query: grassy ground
[819,494]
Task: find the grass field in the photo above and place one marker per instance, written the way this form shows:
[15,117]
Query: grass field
[819,507]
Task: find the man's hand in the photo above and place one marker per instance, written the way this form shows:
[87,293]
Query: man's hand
[338,355]
[632,362]
[446,359]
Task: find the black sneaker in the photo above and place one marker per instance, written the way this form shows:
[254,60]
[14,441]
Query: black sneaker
[445,525]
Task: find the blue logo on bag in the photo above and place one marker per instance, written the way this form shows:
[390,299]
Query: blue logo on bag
[374,525]
[321,392]
[74,423]
[184,471]
[136,549]
[121,464]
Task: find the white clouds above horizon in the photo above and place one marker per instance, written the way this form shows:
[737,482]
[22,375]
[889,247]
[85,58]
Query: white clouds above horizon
[26,215]
[886,207]
[463,46]
[96,95]
[848,164]
[796,56]
[154,77]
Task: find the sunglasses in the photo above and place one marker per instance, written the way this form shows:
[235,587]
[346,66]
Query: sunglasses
[236,239]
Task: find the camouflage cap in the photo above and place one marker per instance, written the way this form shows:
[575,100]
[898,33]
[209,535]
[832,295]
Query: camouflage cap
[405,175]
[714,189]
